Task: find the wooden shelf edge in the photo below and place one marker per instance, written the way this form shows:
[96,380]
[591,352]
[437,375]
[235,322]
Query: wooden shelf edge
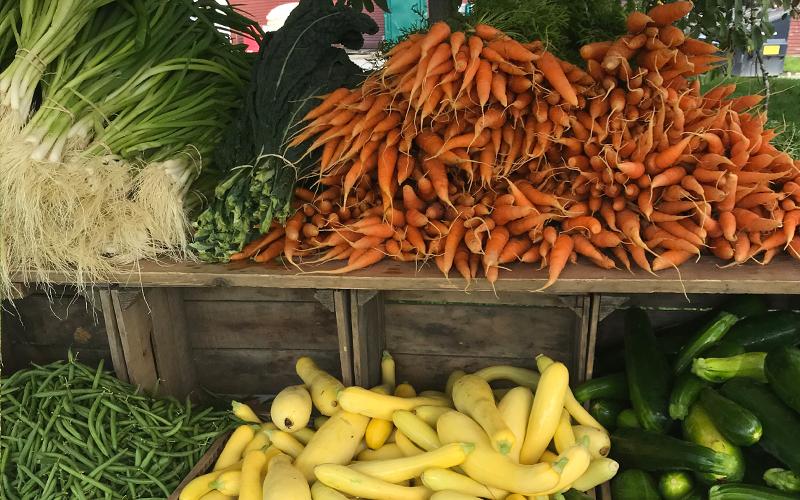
[781,276]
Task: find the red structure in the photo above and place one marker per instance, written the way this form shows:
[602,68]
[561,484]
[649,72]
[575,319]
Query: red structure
[793,48]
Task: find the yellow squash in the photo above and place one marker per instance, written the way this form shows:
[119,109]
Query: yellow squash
[517,496]
[232,452]
[259,441]
[286,443]
[408,448]
[291,408]
[318,421]
[473,397]
[439,479]
[574,462]
[387,373]
[405,390]
[378,431]
[357,484]
[548,456]
[452,495]
[515,407]
[215,495]
[415,429]
[599,442]
[371,404]
[572,405]
[599,471]
[564,437]
[284,481]
[385,452]
[321,492]
[430,414]
[251,475]
[304,435]
[199,486]
[489,467]
[403,469]
[429,394]
[545,413]
[229,483]
[322,385]
[336,442]
[451,380]
[244,412]
[520,376]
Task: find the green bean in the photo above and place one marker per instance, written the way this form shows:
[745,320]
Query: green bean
[69,437]
[76,490]
[84,479]
[113,429]
[50,484]
[75,453]
[199,416]
[97,375]
[7,491]
[147,458]
[112,406]
[158,483]
[92,430]
[30,474]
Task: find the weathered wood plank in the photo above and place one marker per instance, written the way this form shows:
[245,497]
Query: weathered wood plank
[265,325]
[344,329]
[581,341]
[482,331]
[112,332]
[256,371]
[68,321]
[592,334]
[368,324]
[249,294]
[508,299]
[135,327]
[171,345]
[20,356]
[782,275]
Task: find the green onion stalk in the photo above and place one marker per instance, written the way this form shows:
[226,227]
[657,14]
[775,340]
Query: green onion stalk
[128,116]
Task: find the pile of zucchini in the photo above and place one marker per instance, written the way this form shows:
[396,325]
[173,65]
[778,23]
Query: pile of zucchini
[712,407]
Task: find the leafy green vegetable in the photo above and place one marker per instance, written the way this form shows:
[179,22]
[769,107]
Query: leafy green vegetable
[295,65]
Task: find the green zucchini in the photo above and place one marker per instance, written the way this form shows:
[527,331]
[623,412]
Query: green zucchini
[698,428]
[782,368]
[688,386]
[748,365]
[673,344]
[784,480]
[781,437]
[652,451]
[766,331]
[748,492]
[712,332]
[627,418]
[611,386]
[633,484]
[743,306]
[737,424]
[649,374]
[573,494]
[685,392]
[699,493]
[675,485]
[606,411]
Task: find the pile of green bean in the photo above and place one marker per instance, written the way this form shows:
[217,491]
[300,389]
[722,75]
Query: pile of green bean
[69,431]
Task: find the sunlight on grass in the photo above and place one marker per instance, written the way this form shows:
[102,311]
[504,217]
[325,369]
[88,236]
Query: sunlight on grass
[791,64]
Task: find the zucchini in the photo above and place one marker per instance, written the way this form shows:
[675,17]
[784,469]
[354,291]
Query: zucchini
[782,368]
[699,493]
[743,306]
[781,437]
[634,484]
[652,451]
[766,331]
[649,374]
[784,480]
[712,332]
[673,344]
[688,386]
[611,386]
[748,492]
[737,424]
[606,411]
[698,428]
[627,418]
[675,485]
[685,392]
[573,494]
[748,365]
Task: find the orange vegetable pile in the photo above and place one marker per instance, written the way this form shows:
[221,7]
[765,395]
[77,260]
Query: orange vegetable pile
[478,151]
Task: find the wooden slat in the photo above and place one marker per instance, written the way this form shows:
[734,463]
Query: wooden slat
[344,329]
[202,465]
[66,320]
[782,275]
[249,294]
[22,355]
[507,299]
[171,346]
[273,325]
[367,319]
[112,331]
[134,329]
[256,371]
[592,334]
[581,342]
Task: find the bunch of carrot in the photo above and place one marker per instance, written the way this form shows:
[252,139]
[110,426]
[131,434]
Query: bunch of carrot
[479,151]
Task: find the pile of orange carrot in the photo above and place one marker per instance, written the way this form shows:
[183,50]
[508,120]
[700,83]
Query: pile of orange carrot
[476,151]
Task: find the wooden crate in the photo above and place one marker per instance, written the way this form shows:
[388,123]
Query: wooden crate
[431,334]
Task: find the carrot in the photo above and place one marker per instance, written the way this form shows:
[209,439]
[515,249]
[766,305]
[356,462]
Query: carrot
[694,47]
[559,254]
[272,251]
[670,258]
[488,33]
[474,241]
[790,222]
[622,255]
[416,218]
[636,23]
[532,255]
[437,173]
[461,262]
[639,256]
[457,40]
[505,213]
[372,256]
[605,239]
[744,102]
[670,156]
[475,48]
[555,75]
[483,80]
[387,161]
[584,247]
[746,220]
[454,237]
[414,236]
[679,231]
[595,51]
[583,222]
[721,248]
[333,99]
[794,248]
[498,239]
[514,249]
[411,201]
[537,197]
[628,223]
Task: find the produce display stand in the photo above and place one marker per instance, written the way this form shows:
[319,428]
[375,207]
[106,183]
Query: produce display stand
[237,328]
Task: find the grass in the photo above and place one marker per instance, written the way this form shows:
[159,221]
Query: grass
[791,64]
